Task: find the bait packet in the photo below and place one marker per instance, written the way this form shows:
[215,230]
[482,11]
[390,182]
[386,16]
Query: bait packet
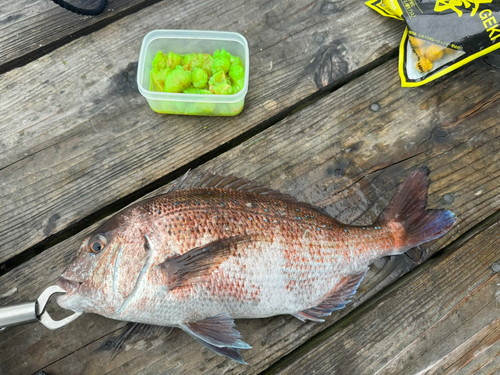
[441,35]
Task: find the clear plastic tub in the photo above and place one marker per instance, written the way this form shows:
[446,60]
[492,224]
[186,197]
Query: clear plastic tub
[191,41]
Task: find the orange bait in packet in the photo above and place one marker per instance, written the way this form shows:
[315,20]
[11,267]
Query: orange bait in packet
[441,35]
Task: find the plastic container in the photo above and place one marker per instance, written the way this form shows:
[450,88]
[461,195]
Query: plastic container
[191,41]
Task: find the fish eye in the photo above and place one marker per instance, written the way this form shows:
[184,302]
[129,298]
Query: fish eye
[97,243]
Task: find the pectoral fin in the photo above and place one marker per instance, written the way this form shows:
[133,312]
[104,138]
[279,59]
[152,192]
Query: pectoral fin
[336,301]
[199,261]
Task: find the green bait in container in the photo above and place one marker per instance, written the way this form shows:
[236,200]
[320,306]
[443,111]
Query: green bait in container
[203,73]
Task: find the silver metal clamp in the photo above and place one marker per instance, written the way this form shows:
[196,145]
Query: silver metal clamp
[35,311]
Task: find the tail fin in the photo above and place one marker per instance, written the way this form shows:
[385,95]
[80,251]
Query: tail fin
[408,209]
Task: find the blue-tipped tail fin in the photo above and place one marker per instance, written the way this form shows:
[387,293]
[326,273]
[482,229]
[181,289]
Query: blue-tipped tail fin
[408,209]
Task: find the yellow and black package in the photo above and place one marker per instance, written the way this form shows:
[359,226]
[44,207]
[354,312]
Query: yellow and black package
[441,35]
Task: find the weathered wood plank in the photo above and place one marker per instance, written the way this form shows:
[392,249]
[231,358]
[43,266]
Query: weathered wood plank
[440,319]
[76,136]
[29,28]
[336,152]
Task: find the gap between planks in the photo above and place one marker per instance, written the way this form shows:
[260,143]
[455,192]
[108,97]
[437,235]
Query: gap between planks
[107,18]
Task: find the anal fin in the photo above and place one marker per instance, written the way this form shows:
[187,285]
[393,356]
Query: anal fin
[303,316]
[335,301]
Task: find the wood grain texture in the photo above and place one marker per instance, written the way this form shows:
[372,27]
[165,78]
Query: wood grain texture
[29,27]
[440,319]
[76,135]
[336,153]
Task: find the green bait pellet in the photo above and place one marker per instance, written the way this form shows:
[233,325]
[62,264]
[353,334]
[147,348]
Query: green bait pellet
[197,73]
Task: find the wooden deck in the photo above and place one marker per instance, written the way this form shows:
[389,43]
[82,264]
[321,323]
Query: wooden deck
[78,143]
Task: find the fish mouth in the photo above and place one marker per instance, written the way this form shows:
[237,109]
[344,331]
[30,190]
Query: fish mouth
[70,286]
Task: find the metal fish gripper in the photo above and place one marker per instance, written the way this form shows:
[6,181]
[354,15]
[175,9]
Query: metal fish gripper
[35,311]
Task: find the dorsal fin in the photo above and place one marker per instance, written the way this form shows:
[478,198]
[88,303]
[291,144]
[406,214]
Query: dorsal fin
[207,179]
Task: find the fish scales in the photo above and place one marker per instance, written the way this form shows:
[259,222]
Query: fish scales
[200,256]
[299,242]
[221,214]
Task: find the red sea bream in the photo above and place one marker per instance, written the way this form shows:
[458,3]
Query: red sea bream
[219,248]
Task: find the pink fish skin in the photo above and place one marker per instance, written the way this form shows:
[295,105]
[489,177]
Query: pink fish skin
[219,248]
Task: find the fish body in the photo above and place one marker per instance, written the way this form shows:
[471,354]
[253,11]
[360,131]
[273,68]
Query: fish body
[219,248]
